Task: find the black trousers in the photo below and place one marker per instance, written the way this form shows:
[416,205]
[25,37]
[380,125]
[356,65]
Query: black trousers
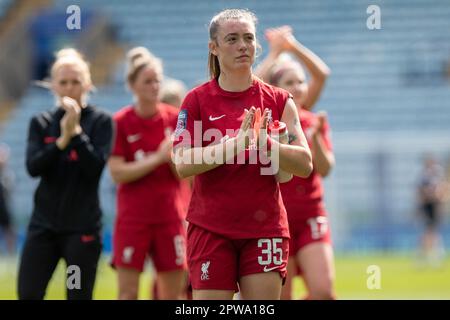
[41,253]
[5,218]
[431,214]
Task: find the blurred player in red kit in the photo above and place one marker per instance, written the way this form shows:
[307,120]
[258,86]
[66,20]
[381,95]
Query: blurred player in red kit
[311,251]
[150,209]
[172,93]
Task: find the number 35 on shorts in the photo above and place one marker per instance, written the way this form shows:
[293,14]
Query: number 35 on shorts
[272,252]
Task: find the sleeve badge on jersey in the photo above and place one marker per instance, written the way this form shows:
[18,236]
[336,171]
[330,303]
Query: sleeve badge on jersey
[181,123]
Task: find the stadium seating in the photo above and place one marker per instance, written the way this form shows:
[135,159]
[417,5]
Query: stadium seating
[4,4]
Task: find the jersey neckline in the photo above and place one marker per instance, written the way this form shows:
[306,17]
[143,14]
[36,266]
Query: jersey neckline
[233,94]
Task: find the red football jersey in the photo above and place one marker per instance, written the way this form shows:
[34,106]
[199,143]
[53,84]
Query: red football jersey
[156,197]
[234,200]
[303,198]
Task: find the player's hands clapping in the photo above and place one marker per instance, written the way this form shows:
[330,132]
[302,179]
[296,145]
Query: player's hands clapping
[280,39]
[260,127]
[317,128]
[243,137]
[165,147]
[254,127]
[70,122]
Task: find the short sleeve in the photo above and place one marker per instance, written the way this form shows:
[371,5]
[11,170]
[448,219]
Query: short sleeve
[188,119]
[173,119]
[281,98]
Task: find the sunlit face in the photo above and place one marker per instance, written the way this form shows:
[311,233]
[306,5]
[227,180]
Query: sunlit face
[147,85]
[293,81]
[235,45]
[68,81]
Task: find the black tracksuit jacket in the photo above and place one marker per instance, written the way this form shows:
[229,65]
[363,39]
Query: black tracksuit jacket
[67,198]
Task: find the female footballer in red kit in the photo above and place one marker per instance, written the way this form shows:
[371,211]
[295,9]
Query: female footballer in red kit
[150,208]
[238,233]
[310,247]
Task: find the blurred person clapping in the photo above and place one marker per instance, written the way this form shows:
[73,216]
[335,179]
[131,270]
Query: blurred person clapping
[67,150]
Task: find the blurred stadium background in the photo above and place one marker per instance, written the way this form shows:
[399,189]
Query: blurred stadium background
[388,100]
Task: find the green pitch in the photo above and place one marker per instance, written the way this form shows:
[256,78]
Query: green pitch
[400,278]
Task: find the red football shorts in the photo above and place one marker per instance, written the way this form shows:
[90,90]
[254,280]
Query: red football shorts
[306,231]
[218,263]
[165,244]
